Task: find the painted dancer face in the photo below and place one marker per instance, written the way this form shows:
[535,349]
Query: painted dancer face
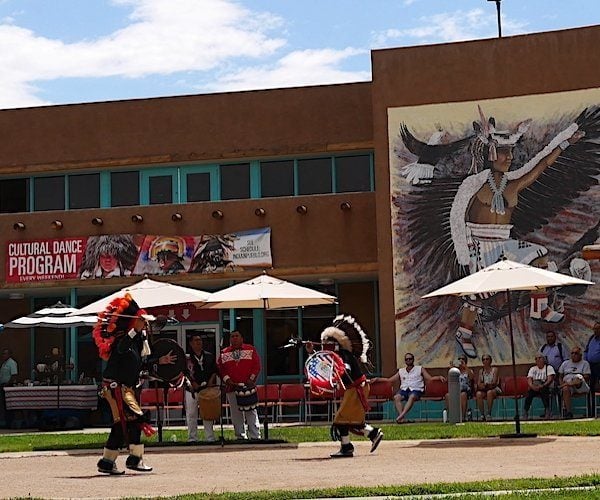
[504,160]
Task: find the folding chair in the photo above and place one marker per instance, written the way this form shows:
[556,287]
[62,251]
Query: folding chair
[436,391]
[512,387]
[379,393]
[291,396]
[268,395]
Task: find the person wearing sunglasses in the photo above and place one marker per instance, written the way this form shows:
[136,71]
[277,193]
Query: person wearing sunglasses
[540,378]
[411,380]
[574,378]
[488,387]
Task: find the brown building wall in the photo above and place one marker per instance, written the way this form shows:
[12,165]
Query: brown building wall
[520,65]
[190,128]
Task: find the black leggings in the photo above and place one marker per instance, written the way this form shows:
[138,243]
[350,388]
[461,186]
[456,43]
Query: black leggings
[116,439]
[543,394]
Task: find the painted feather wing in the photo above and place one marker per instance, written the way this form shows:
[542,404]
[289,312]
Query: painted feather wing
[575,171]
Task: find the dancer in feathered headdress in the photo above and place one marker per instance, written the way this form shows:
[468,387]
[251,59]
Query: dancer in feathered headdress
[120,335]
[352,344]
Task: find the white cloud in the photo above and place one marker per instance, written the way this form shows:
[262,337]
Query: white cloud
[162,38]
[448,27]
[306,67]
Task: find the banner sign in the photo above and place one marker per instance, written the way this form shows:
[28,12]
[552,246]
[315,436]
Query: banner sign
[111,255]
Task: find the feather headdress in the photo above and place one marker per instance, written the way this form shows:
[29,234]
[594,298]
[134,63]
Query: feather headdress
[116,319]
[349,335]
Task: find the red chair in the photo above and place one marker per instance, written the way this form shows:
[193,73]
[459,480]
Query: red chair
[291,396]
[379,393]
[325,400]
[267,395]
[512,387]
[436,391]
[152,398]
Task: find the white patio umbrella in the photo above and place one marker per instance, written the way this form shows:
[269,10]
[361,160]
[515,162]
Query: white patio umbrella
[149,293]
[58,315]
[506,276]
[266,292]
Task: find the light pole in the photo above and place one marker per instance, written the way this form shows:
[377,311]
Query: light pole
[499,17]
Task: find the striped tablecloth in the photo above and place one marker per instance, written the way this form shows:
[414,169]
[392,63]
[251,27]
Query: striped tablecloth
[47,397]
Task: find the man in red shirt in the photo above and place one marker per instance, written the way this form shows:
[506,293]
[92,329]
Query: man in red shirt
[239,365]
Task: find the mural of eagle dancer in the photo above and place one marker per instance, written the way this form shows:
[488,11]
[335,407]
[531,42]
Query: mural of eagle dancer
[500,190]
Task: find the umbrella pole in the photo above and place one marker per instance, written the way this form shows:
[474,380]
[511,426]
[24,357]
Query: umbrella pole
[518,433]
[266,408]
[514,364]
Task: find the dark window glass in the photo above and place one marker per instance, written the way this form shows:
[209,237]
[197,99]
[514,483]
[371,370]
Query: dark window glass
[198,187]
[281,326]
[353,173]
[314,176]
[161,189]
[277,178]
[49,193]
[84,191]
[235,181]
[14,195]
[124,189]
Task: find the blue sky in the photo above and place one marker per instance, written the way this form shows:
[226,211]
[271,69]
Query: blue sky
[72,51]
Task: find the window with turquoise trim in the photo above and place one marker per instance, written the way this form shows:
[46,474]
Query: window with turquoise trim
[235,181]
[84,191]
[49,193]
[276,178]
[198,186]
[125,188]
[14,195]
[314,176]
[352,173]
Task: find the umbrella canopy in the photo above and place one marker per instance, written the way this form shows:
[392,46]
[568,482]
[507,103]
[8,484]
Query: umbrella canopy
[149,293]
[507,275]
[57,316]
[266,292]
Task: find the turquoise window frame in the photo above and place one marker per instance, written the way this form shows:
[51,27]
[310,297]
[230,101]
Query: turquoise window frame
[215,180]
[147,174]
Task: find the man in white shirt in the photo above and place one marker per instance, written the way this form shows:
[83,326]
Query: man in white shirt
[574,375]
[412,380]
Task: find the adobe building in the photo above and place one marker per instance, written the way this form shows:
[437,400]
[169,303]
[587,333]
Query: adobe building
[317,185]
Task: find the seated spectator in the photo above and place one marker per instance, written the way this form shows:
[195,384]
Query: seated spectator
[574,376]
[555,353]
[411,381]
[539,380]
[488,387]
[466,380]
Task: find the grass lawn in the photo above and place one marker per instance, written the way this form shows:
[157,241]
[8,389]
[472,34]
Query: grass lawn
[298,434]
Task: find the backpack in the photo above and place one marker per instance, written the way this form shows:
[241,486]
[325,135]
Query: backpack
[560,350]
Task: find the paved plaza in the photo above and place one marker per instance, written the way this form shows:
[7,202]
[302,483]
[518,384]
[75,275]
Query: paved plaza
[179,470]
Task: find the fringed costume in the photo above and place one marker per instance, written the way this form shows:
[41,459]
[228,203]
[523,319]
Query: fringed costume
[352,345]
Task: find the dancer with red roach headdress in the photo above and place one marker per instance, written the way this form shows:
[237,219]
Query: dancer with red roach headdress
[121,337]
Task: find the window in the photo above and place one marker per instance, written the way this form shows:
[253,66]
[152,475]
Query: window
[198,186]
[314,176]
[353,173]
[49,193]
[84,191]
[124,189]
[14,195]
[235,181]
[277,178]
[160,189]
